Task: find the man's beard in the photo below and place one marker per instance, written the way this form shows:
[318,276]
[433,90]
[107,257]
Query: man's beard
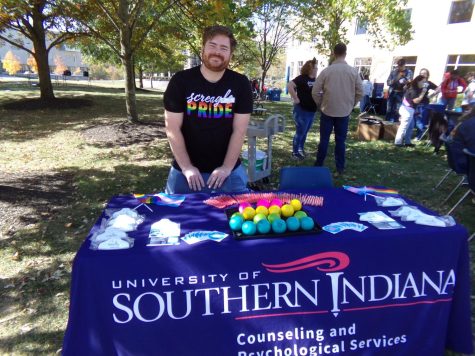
[213,66]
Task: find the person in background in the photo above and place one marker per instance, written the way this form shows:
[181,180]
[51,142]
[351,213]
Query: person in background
[300,90]
[397,81]
[367,90]
[469,95]
[207,111]
[336,91]
[421,114]
[449,89]
[463,136]
[412,98]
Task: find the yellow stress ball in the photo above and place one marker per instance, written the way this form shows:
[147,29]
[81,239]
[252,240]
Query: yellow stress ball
[274,209]
[262,210]
[287,210]
[296,204]
[248,213]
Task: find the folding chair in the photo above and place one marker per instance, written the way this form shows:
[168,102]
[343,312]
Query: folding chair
[371,106]
[471,181]
[455,167]
[305,178]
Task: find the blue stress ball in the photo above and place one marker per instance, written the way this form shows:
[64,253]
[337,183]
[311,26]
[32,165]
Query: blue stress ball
[248,228]
[263,226]
[306,223]
[293,224]
[279,226]
[235,223]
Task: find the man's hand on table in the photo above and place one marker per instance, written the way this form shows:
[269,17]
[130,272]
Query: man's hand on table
[194,178]
[217,177]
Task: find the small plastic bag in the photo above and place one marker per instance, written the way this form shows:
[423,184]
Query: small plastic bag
[380,220]
[412,213]
[439,221]
[101,239]
[389,201]
[407,213]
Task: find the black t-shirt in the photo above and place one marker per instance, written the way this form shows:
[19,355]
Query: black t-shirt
[208,113]
[430,86]
[304,85]
[410,94]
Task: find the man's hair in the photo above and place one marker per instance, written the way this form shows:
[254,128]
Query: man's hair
[454,72]
[339,50]
[308,67]
[401,62]
[212,31]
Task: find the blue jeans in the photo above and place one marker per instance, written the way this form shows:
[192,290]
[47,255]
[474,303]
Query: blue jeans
[327,124]
[303,122]
[235,183]
[364,102]
[448,102]
[394,103]
[421,119]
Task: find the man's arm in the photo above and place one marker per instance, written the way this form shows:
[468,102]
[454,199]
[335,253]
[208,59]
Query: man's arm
[358,88]
[293,94]
[173,122]
[317,90]
[219,175]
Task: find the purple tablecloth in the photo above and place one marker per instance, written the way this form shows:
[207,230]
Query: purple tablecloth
[377,292]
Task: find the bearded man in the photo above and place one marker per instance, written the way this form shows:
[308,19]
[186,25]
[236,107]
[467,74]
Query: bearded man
[207,111]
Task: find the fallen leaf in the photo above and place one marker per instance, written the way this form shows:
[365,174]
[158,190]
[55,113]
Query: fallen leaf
[16,256]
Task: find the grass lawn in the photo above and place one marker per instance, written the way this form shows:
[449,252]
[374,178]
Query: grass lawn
[58,168]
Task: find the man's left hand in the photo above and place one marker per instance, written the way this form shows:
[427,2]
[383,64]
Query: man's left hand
[217,178]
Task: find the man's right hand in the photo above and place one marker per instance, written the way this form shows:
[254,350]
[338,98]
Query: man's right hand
[194,178]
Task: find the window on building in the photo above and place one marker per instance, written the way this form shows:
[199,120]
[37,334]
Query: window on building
[361,26]
[364,66]
[464,63]
[300,65]
[411,62]
[461,11]
[408,14]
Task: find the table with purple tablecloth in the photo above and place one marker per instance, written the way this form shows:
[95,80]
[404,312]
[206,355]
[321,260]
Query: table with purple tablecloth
[376,292]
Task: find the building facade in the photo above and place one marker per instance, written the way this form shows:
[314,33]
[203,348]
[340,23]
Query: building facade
[442,41]
[69,57]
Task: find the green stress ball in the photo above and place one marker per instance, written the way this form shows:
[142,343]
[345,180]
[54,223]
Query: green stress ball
[237,214]
[306,223]
[235,223]
[293,224]
[300,214]
[273,217]
[259,217]
[248,228]
[279,226]
[263,226]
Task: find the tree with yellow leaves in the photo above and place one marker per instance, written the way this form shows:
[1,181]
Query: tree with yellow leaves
[31,61]
[60,66]
[11,63]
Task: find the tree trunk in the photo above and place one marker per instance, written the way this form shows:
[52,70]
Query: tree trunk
[130,98]
[46,87]
[151,81]
[263,78]
[141,77]
[41,56]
